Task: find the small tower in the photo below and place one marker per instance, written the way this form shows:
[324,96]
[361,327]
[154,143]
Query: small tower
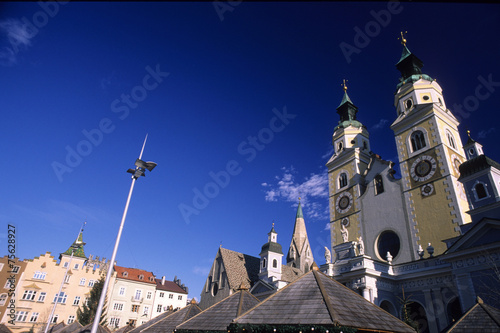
[271,257]
[79,258]
[480,176]
[299,254]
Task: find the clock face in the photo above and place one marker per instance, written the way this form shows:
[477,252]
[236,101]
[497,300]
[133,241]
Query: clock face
[427,190]
[423,168]
[344,202]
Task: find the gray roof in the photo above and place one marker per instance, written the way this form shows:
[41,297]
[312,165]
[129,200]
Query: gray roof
[240,268]
[480,318]
[219,316]
[477,164]
[167,321]
[290,274]
[88,328]
[4,329]
[317,299]
[70,328]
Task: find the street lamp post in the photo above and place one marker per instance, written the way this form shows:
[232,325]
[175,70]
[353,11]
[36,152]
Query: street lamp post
[140,169]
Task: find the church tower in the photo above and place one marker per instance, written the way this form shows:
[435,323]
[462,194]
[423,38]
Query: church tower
[300,254]
[74,255]
[429,152]
[345,171]
[271,257]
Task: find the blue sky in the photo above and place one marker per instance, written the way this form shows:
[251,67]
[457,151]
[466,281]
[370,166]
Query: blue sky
[239,102]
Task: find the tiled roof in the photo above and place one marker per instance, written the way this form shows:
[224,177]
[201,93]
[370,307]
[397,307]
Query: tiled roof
[88,328]
[169,286]
[219,316]
[70,328]
[4,329]
[168,321]
[480,318]
[134,274]
[240,268]
[290,274]
[316,299]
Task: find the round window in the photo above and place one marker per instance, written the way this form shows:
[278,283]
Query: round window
[388,241]
[426,98]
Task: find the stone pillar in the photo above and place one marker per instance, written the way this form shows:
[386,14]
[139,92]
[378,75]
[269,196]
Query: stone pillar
[366,294]
[429,311]
[439,309]
[465,290]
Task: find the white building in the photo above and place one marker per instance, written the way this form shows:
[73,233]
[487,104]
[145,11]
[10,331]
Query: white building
[169,295]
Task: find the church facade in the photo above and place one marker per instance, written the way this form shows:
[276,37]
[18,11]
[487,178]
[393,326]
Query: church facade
[431,237]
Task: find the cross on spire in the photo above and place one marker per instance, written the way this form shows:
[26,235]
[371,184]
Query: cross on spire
[403,39]
[344,86]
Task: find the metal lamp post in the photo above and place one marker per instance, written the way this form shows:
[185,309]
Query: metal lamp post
[140,169]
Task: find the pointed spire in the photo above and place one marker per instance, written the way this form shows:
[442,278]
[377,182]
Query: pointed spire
[347,110]
[77,246]
[299,211]
[409,64]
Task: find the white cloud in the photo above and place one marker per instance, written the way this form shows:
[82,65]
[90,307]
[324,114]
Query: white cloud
[380,124]
[18,37]
[484,133]
[313,191]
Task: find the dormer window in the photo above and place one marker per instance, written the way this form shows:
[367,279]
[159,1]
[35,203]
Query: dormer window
[408,104]
[141,277]
[125,274]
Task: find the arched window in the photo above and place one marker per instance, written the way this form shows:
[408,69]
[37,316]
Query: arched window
[417,140]
[342,180]
[264,263]
[379,184]
[451,140]
[481,191]
[340,146]
[275,263]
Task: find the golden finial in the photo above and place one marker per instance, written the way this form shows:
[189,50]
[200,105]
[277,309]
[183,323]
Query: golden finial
[299,199]
[403,39]
[344,86]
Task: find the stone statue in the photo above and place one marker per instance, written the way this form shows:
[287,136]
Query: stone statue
[361,246]
[345,234]
[328,255]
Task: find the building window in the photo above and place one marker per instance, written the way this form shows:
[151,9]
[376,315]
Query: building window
[87,300]
[76,266]
[21,315]
[158,308]
[451,140]
[170,296]
[29,295]
[162,295]
[77,300]
[125,274]
[118,306]
[141,277]
[388,241]
[114,322]
[379,184]
[1,267]
[138,294]
[71,319]
[132,322]
[179,297]
[82,281]
[146,310]
[39,275]
[408,104]
[135,308]
[149,295]
[91,283]
[8,284]
[15,269]
[34,317]
[417,140]
[54,318]
[3,299]
[41,298]
[340,146]
[122,291]
[263,262]
[480,191]
[66,279]
[65,264]
[61,298]
[275,263]
[342,180]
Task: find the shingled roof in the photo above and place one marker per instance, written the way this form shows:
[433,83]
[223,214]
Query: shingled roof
[217,317]
[316,299]
[168,321]
[480,318]
[134,274]
[70,328]
[88,329]
[4,329]
[240,268]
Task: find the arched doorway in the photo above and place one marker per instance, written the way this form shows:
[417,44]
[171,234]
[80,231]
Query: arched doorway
[387,306]
[416,312]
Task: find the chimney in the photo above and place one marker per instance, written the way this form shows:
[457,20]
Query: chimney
[163,280]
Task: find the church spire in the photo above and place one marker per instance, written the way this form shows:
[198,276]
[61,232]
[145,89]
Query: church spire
[77,246]
[299,255]
[347,110]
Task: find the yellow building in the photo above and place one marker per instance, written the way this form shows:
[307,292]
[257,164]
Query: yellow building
[40,283]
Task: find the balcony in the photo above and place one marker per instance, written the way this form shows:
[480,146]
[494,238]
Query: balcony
[134,299]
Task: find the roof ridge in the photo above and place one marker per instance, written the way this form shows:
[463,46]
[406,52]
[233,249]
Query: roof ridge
[326,298]
[486,307]
[463,317]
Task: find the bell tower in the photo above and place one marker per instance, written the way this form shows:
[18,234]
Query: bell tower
[345,171]
[429,153]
